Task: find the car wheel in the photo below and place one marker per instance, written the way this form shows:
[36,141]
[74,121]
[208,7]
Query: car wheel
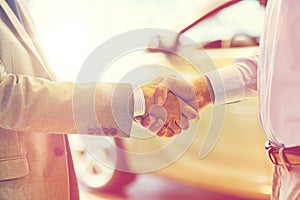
[95,175]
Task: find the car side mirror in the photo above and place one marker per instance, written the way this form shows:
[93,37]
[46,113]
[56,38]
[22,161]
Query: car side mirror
[243,40]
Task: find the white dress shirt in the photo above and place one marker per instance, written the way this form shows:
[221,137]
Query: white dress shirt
[278,74]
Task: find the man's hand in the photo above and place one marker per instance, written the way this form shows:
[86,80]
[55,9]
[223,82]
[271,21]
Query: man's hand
[168,118]
[195,93]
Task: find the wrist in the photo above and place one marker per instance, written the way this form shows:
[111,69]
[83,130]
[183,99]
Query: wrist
[203,91]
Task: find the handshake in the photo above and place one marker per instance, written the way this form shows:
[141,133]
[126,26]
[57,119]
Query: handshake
[171,103]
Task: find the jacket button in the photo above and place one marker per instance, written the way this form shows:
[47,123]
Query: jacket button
[58,152]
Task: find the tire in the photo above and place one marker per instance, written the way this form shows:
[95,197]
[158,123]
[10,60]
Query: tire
[96,176]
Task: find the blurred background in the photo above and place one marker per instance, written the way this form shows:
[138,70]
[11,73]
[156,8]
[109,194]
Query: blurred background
[70,29]
[237,168]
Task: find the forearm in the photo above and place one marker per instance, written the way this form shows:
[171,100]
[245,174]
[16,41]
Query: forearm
[27,104]
[235,82]
[39,105]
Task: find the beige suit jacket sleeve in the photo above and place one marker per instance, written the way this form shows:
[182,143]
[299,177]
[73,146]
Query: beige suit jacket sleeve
[39,105]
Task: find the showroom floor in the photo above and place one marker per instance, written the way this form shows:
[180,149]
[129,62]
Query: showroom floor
[150,187]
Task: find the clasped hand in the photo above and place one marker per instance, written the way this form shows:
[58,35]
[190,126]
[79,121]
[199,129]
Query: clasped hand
[171,103]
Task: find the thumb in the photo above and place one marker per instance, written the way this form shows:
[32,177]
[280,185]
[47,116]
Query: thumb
[160,95]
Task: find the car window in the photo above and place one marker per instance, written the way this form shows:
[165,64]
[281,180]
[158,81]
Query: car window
[237,25]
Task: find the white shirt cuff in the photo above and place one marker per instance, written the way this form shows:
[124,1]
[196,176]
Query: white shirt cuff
[227,85]
[139,102]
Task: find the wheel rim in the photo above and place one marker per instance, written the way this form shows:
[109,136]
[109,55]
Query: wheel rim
[90,171]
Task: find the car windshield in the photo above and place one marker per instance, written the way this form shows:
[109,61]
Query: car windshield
[244,18]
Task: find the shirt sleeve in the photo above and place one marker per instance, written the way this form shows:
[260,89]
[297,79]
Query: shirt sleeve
[139,102]
[235,82]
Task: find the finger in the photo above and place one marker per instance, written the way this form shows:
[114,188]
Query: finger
[188,110]
[183,123]
[194,104]
[175,128]
[160,95]
[181,88]
[197,103]
[155,127]
[170,133]
[162,132]
[158,112]
[148,121]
